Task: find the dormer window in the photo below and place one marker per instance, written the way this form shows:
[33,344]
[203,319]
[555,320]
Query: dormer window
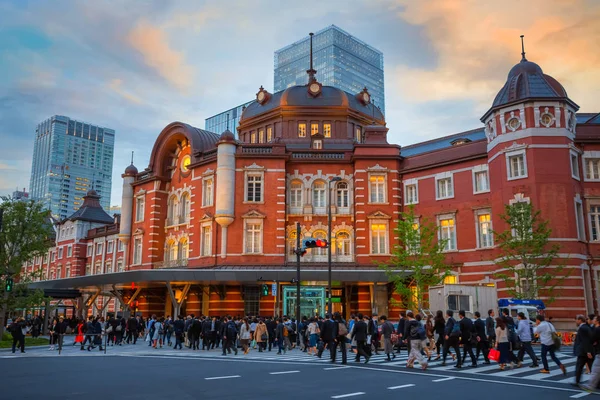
[459,141]
[317,144]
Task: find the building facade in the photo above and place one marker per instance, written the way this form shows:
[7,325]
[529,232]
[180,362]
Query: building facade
[20,194]
[227,120]
[343,61]
[70,158]
[213,218]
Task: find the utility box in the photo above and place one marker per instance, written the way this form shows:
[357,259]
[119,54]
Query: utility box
[470,298]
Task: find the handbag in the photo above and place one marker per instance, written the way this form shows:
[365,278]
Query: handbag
[119,328]
[109,329]
[494,355]
[556,340]
[253,344]
[264,337]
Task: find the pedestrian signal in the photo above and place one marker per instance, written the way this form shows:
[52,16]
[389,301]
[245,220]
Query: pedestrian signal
[9,284]
[265,290]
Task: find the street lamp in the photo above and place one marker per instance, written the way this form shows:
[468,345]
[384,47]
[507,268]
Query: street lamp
[329,305]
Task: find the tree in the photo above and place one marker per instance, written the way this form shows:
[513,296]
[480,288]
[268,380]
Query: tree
[526,254]
[25,232]
[419,262]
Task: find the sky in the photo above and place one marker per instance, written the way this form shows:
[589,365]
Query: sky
[136,66]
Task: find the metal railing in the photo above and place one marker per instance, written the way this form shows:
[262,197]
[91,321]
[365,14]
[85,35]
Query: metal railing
[171,264]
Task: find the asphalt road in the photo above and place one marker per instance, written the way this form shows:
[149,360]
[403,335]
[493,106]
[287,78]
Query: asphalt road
[165,377]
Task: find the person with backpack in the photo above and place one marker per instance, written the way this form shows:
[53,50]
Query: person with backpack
[547,334]
[16,330]
[229,336]
[451,338]
[513,339]
[524,332]
[466,334]
[416,333]
[342,332]
[329,334]
[387,329]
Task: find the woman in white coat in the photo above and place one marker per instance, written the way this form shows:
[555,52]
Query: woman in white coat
[158,333]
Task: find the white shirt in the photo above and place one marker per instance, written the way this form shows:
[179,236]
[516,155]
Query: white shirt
[544,330]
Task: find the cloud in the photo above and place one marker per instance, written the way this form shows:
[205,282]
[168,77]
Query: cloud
[116,86]
[477,43]
[152,43]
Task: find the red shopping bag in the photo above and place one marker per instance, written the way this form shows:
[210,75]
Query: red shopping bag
[494,355]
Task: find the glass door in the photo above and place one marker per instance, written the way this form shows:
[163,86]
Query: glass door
[312,301]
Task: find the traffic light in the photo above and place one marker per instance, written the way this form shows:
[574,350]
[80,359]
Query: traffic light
[9,284]
[314,243]
[265,290]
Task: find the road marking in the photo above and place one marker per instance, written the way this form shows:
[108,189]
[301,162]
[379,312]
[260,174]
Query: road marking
[334,368]
[400,387]
[283,372]
[341,396]
[444,379]
[578,395]
[222,377]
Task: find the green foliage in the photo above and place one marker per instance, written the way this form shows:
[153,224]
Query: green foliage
[26,233]
[526,254]
[6,342]
[418,261]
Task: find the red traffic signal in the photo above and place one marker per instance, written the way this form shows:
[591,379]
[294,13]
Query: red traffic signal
[313,243]
[321,243]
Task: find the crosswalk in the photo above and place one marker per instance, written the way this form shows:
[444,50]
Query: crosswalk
[377,361]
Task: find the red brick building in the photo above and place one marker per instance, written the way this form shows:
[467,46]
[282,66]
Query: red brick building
[213,218]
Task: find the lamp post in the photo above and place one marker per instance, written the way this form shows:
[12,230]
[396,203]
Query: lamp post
[329,305]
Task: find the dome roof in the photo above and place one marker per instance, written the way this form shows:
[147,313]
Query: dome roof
[92,193]
[131,170]
[227,136]
[298,96]
[527,80]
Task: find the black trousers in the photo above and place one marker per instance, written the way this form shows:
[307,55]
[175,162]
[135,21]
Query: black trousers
[229,344]
[342,343]
[468,349]
[482,347]
[332,346]
[360,349]
[452,343]
[20,340]
[581,362]
[131,335]
[440,343]
[526,348]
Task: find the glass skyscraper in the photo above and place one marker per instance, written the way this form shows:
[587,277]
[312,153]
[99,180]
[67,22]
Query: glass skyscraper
[218,123]
[70,158]
[341,61]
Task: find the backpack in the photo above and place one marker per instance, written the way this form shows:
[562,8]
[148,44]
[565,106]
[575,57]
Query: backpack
[342,329]
[151,330]
[231,331]
[455,330]
[417,332]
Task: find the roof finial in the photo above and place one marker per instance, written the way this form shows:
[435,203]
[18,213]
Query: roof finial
[523,49]
[311,72]
[227,121]
[132,158]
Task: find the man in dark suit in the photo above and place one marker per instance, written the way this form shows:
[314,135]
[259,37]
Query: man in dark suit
[451,340]
[360,334]
[400,330]
[490,328]
[207,333]
[466,329]
[583,347]
[329,334]
[481,337]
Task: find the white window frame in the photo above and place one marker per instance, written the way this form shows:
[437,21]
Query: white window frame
[68,271]
[208,198]
[339,194]
[440,218]
[119,266]
[579,218]
[314,128]
[480,169]
[386,233]
[258,222]
[120,246]
[140,204]
[384,188]
[135,259]
[508,156]
[110,246]
[409,183]
[70,251]
[296,206]
[321,207]
[574,161]
[445,176]
[478,213]
[206,245]
[588,158]
[317,144]
[594,219]
[254,173]
[60,253]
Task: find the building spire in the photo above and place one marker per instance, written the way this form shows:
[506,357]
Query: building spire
[227,128]
[523,49]
[311,72]
[132,158]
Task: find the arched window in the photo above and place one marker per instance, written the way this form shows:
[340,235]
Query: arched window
[319,251]
[296,194]
[184,208]
[172,210]
[342,244]
[171,251]
[319,194]
[342,195]
[183,250]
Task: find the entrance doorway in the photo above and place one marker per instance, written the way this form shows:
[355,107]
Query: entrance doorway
[312,301]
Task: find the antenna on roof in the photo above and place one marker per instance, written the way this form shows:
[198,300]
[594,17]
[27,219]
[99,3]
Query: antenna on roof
[311,72]
[523,49]
[227,121]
